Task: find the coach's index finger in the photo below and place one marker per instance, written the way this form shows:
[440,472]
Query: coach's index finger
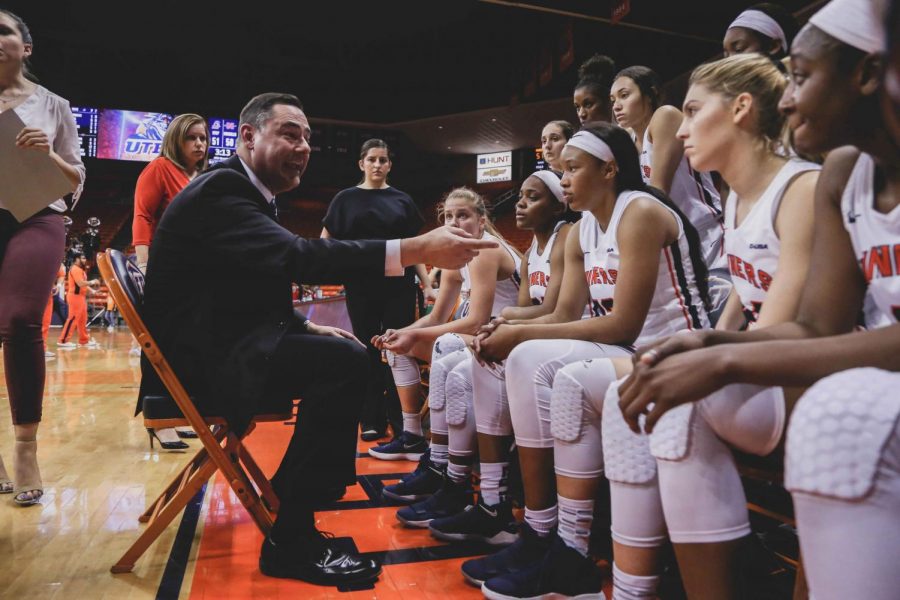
[480,244]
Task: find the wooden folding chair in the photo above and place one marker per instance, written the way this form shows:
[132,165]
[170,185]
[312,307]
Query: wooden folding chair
[222,450]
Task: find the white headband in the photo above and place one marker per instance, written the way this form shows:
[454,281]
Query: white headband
[759,21]
[591,144]
[853,22]
[552,183]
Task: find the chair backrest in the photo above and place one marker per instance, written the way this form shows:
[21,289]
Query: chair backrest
[128,275]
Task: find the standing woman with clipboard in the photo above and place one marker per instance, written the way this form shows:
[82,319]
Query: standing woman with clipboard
[30,251]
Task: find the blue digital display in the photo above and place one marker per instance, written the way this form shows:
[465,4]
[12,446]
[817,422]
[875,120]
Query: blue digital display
[223,137]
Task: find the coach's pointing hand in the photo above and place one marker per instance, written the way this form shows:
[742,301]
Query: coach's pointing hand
[444,247]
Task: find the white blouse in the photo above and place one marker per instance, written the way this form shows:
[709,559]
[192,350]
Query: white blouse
[50,113]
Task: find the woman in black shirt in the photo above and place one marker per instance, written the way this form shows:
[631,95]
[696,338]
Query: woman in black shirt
[373,210]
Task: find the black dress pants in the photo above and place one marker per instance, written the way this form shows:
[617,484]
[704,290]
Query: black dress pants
[329,375]
[373,307]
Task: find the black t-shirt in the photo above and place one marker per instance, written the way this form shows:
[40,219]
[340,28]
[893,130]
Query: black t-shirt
[384,214]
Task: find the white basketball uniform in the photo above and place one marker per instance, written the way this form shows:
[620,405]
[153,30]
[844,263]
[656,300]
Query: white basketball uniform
[450,382]
[405,369]
[842,462]
[695,195]
[455,371]
[753,247]
[539,267]
[507,291]
[533,365]
[683,477]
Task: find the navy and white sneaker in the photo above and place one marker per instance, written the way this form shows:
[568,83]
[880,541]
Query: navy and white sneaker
[418,485]
[563,573]
[450,499]
[479,522]
[406,446]
[529,549]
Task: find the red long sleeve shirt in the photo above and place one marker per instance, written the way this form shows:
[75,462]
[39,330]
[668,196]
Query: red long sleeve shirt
[157,184]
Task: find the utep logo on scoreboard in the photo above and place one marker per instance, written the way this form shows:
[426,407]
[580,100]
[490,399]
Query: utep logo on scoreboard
[131,135]
[496,166]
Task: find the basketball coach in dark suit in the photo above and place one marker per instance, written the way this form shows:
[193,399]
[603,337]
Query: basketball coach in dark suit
[218,302]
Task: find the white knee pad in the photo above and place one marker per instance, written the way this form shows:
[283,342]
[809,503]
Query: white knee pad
[627,454]
[446,344]
[448,351]
[460,414]
[490,403]
[576,404]
[839,431]
[404,368]
[702,496]
[851,517]
[531,369]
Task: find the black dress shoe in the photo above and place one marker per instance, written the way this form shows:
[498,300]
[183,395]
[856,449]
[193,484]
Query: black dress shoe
[370,435]
[316,560]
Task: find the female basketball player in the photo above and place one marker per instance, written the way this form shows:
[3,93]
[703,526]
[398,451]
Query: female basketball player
[591,95]
[631,250]
[553,137]
[764,28]
[636,98]
[487,285]
[843,445]
[732,125]
[540,208]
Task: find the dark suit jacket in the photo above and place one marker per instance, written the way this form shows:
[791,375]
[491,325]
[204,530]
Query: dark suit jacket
[217,295]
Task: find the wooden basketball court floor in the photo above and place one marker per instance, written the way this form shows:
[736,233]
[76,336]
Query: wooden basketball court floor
[99,473]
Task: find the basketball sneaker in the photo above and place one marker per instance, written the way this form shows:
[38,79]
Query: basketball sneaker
[527,550]
[406,446]
[450,499]
[478,522]
[418,485]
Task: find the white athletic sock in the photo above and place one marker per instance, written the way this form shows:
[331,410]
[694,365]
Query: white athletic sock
[494,482]
[458,473]
[542,521]
[412,423]
[439,454]
[633,587]
[575,518]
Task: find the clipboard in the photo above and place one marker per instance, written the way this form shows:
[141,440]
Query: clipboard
[30,180]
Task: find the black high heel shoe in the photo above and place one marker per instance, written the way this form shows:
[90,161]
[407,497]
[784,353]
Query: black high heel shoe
[178,445]
[186,435]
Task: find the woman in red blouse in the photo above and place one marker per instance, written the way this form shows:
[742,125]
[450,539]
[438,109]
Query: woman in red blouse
[184,155]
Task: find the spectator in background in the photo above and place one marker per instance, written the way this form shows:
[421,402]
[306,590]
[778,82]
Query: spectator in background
[56,291]
[374,210]
[30,250]
[183,156]
[78,288]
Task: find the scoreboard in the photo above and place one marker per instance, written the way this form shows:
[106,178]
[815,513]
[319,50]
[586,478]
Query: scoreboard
[88,122]
[223,137]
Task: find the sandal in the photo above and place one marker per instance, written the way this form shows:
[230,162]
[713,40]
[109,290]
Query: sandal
[31,489]
[6,484]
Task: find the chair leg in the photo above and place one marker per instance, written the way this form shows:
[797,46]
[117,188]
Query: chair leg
[198,460]
[266,491]
[242,487]
[164,515]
